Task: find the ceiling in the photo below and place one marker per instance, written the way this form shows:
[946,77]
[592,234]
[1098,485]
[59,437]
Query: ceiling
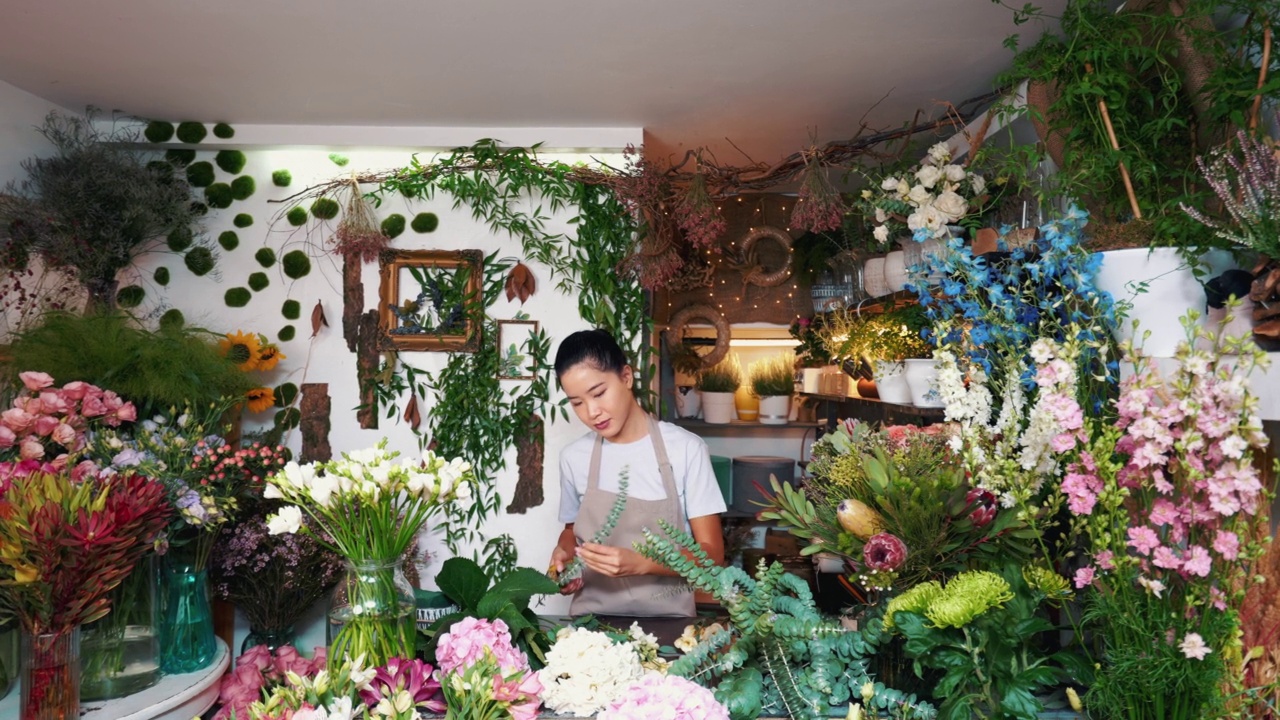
[762,75]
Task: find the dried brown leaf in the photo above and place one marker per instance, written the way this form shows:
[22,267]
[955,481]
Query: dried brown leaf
[317,319]
[520,283]
[411,414]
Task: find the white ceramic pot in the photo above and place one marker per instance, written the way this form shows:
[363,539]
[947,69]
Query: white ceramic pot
[895,271]
[688,401]
[774,409]
[1161,288]
[873,278]
[891,383]
[811,380]
[922,378]
[718,407]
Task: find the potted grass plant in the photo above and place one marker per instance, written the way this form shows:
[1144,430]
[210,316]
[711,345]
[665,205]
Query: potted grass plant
[773,381]
[717,385]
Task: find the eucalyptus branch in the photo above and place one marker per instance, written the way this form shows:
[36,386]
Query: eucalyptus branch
[574,568]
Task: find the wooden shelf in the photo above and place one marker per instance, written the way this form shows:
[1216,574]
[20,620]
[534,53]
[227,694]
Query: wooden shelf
[743,427]
[888,409]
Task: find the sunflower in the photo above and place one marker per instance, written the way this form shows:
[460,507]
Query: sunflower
[260,399]
[241,349]
[269,355]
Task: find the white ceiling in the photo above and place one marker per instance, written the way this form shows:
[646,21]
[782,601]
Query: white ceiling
[765,74]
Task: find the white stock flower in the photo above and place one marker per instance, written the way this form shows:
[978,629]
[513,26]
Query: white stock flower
[953,173]
[928,176]
[288,520]
[919,196]
[951,205]
[940,153]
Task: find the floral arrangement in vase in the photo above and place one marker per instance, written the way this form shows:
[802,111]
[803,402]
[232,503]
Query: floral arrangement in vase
[368,508]
[49,424]
[483,675]
[939,193]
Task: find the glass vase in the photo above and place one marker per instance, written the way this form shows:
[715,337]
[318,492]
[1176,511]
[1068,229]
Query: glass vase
[9,659]
[187,641]
[50,675]
[119,654]
[272,638]
[372,613]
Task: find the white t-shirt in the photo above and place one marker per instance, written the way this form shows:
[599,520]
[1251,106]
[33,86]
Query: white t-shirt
[690,464]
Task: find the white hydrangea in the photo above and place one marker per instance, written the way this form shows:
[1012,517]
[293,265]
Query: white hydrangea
[586,671]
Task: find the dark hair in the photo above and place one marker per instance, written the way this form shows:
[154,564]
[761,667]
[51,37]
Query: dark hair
[596,347]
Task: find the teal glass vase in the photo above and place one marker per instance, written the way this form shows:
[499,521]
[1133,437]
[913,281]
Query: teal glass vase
[272,638]
[187,641]
[119,654]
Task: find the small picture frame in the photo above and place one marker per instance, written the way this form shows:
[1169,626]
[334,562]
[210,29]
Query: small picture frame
[513,356]
[431,300]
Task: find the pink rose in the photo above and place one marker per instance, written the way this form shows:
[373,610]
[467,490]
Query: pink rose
[65,435]
[32,405]
[45,424]
[83,470]
[7,438]
[75,390]
[239,689]
[319,659]
[93,407]
[35,380]
[54,402]
[258,656]
[288,659]
[31,450]
[126,412]
[17,420]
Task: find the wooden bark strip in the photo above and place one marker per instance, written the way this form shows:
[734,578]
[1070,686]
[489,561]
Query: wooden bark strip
[352,299]
[314,424]
[367,354]
[529,451]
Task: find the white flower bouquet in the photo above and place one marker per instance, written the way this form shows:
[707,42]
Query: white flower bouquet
[938,194]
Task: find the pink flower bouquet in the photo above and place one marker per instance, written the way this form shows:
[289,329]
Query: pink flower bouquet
[482,674]
[46,423]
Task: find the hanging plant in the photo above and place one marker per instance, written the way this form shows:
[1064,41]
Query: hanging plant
[359,232]
[820,207]
[697,214]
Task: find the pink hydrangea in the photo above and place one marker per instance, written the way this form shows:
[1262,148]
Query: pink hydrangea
[469,639]
[665,696]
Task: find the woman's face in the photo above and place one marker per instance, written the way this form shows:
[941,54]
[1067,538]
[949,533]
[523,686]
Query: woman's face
[602,399]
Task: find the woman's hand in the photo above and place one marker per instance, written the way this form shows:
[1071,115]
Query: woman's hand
[559,559]
[614,561]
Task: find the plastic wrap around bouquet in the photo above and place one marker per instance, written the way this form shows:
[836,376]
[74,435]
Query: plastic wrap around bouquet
[368,507]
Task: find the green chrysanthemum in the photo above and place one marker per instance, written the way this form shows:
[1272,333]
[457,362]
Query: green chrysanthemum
[1049,583]
[967,596]
[914,600]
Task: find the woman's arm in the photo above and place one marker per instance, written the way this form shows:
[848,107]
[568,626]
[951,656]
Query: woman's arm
[561,555]
[625,562]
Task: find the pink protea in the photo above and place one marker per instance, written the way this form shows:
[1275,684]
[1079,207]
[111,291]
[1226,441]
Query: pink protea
[885,552]
[982,506]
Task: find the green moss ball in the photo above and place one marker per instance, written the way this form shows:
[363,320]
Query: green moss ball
[158,131]
[200,174]
[231,161]
[179,157]
[266,257]
[282,178]
[258,281]
[237,297]
[162,276]
[199,261]
[339,159]
[410,191]
[296,264]
[229,240]
[130,296]
[393,225]
[180,239]
[242,187]
[292,310]
[425,222]
[224,131]
[191,132]
[242,220]
[325,208]
[285,394]
[297,216]
[288,418]
[219,196]
[286,333]
[172,319]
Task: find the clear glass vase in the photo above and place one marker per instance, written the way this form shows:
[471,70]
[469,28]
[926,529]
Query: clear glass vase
[9,659]
[119,654]
[50,675]
[272,638]
[372,613]
[187,641]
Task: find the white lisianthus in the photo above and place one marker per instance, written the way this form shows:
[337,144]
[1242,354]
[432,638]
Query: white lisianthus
[881,233]
[287,521]
[952,206]
[919,196]
[928,176]
[940,154]
[889,184]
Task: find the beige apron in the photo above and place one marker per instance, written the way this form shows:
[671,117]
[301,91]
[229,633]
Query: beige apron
[642,595]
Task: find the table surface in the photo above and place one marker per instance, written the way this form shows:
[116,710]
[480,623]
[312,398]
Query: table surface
[175,697]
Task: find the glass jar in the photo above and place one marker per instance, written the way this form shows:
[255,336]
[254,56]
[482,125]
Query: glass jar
[372,613]
[119,654]
[51,675]
[9,659]
[187,640]
[272,638]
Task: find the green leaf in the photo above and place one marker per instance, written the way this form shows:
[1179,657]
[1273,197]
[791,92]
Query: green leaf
[462,580]
[1020,703]
[523,583]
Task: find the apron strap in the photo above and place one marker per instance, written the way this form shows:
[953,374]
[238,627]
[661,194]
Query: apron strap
[593,471]
[667,471]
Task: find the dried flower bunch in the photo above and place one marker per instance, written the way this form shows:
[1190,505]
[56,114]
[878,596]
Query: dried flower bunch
[359,234]
[698,216]
[820,208]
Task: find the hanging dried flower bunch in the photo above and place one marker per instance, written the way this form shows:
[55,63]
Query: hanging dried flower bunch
[820,207]
[697,215]
[648,195]
[358,232]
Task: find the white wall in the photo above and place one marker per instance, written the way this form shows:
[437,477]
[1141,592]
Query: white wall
[201,301]
[20,114]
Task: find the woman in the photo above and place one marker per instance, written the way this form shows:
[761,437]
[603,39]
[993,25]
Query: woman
[669,477]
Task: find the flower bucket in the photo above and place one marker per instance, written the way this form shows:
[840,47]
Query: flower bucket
[873,279]
[891,383]
[1160,286]
[774,409]
[922,378]
[718,407]
[811,380]
[746,404]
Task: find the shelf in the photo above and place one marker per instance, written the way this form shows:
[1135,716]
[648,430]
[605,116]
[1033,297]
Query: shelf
[740,426]
[882,406]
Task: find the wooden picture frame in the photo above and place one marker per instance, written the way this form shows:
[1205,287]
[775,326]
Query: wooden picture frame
[448,317]
[512,336]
